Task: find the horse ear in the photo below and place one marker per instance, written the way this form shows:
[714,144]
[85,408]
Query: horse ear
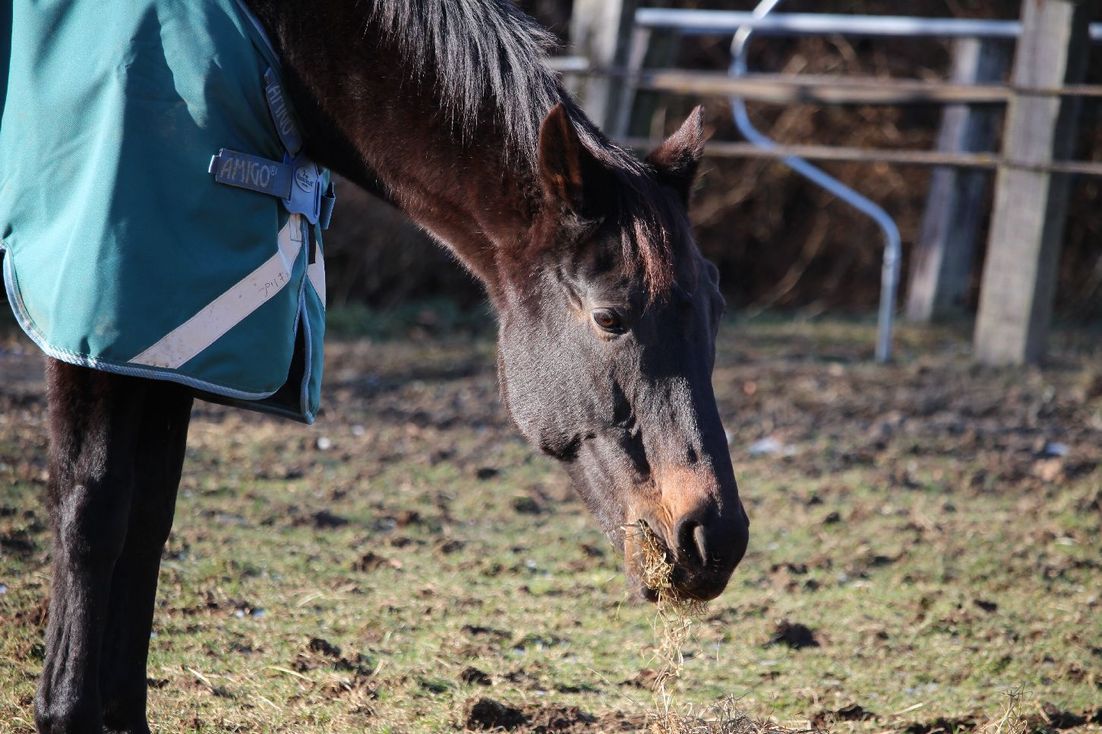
[676,160]
[567,169]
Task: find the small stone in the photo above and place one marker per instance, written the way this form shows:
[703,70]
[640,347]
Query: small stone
[1055,448]
[765,447]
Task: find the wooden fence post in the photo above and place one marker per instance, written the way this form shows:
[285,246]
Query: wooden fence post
[942,260]
[1027,228]
[636,112]
[600,30]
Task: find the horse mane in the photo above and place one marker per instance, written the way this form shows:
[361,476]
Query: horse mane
[488,62]
[481,53]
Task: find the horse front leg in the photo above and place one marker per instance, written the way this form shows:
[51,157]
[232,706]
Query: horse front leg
[93,418]
[159,462]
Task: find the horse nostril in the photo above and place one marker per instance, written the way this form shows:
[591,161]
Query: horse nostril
[691,542]
[701,545]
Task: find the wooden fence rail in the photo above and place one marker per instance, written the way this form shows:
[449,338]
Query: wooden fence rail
[922,158]
[811,89]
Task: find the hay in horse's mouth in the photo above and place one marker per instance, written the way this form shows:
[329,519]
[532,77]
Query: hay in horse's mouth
[655,566]
[656,571]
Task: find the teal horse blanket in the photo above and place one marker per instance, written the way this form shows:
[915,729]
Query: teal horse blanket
[145,153]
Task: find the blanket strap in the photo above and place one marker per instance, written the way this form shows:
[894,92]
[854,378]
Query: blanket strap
[281,113]
[296,180]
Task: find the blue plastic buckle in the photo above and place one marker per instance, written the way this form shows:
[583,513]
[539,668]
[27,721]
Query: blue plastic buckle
[305,195]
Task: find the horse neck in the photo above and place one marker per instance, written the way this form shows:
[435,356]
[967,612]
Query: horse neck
[382,127]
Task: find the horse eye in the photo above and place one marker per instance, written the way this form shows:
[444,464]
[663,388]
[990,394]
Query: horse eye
[608,320]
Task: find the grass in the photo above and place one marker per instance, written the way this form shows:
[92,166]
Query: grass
[925,543]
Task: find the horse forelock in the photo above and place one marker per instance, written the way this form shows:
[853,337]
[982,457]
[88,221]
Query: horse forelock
[652,236]
[651,228]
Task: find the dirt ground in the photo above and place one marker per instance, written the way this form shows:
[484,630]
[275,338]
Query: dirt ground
[925,551]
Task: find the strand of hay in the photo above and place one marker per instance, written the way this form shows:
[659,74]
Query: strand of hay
[673,626]
[1012,721]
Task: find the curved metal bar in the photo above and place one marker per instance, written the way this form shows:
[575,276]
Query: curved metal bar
[889,272]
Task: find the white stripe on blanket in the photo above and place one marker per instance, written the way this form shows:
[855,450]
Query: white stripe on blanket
[229,309]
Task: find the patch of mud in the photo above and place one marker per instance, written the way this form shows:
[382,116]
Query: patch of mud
[486,714]
[373,562]
[1053,717]
[794,635]
[320,653]
[472,676]
[852,712]
[941,725]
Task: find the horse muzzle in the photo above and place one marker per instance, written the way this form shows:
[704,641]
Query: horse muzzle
[700,547]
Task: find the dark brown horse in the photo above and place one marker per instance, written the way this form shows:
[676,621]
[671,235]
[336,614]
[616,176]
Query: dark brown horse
[607,314]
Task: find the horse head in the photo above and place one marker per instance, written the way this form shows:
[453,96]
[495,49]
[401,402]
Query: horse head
[608,322]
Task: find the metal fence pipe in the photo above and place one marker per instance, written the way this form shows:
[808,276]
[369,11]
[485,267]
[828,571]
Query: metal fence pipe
[889,273]
[727,22]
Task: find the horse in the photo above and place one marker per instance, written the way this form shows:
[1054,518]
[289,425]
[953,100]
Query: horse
[607,316]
